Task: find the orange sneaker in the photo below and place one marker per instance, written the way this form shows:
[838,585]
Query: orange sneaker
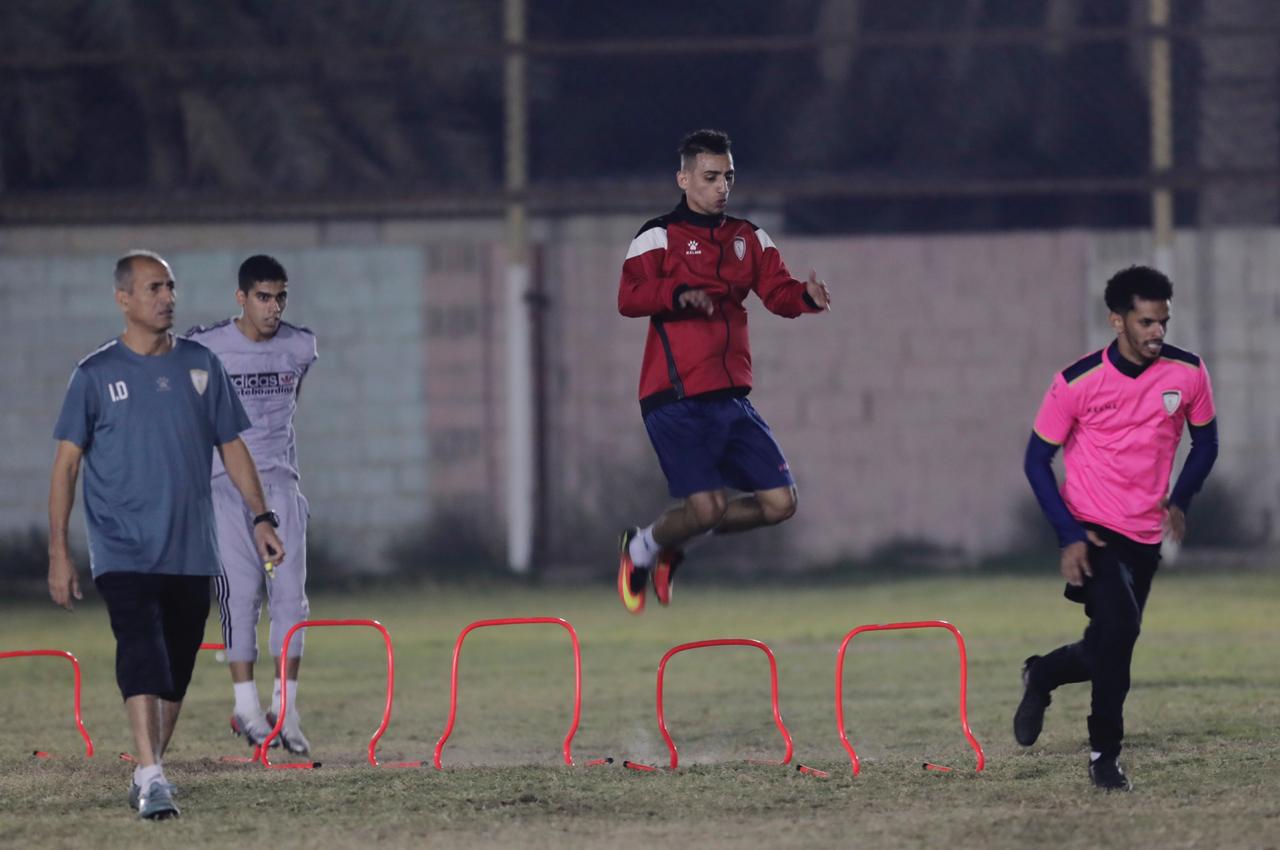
[631,579]
[664,573]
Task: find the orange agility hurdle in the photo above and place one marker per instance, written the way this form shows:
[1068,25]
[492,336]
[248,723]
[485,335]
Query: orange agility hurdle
[773,690]
[577,681]
[262,754]
[75,668]
[964,686]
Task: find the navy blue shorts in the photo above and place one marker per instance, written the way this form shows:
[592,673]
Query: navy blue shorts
[158,622]
[711,444]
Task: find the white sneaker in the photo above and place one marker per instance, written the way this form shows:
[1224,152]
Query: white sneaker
[291,735]
[255,730]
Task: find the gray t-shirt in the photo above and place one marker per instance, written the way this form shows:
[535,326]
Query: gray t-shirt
[148,426]
[267,376]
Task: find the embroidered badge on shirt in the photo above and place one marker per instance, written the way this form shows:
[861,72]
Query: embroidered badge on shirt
[162,384]
[693,248]
[1171,399]
[740,247]
[200,380]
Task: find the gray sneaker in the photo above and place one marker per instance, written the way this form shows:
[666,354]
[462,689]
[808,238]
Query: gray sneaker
[253,729]
[157,803]
[291,736]
[135,793]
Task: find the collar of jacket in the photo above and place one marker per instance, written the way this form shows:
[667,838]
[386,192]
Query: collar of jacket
[1123,365]
[684,214]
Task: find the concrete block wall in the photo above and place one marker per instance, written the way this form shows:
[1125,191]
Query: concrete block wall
[361,424]
[904,411]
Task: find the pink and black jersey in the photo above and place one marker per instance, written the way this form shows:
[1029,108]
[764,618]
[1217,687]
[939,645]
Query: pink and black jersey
[266,376]
[1119,425]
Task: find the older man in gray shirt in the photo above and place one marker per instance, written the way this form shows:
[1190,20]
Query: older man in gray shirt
[144,413]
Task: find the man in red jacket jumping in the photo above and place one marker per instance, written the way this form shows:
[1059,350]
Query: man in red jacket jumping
[688,272]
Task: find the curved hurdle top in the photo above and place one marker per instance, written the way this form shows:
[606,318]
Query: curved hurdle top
[75,668]
[515,621]
[773,686]
[964,682]
[284,695]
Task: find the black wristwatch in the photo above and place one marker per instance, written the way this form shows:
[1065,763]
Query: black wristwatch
[270,516]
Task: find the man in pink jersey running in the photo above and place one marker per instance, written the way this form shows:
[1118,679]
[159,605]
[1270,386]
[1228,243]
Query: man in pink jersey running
[1118,416]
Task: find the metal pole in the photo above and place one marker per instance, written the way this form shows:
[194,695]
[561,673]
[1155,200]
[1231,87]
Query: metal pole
[1161,137]
[519,379]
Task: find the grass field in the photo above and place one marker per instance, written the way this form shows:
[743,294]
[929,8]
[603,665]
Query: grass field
[1203,716]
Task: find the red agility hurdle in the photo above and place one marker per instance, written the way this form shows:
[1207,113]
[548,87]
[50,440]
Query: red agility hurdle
[577,681]
[964,686]
[773,690]
[263,748]
[75,668]
[220,647]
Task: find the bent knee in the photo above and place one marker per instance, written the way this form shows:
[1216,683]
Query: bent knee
[780,506]
[708,509]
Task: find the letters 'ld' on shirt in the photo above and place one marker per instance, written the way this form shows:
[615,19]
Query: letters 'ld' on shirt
[1119,425]
[267,376]
[148,426]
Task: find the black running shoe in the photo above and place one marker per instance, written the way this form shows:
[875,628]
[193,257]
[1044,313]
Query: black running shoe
[1106,774]
[1028,720]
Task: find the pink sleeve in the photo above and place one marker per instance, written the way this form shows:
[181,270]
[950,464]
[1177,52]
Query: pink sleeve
[1057,413]
[1200,409]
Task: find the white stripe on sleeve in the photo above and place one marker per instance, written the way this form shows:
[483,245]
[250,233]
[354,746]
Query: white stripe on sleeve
[654,237]
[765,241]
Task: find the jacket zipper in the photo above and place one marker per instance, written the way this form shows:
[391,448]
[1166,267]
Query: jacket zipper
[724,354]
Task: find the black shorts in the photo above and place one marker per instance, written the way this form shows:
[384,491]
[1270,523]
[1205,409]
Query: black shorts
[158,621]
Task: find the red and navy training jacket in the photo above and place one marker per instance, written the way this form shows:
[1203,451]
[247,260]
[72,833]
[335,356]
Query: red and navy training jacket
[688,353]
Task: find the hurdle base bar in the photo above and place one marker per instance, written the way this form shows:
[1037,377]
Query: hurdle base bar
[640,766]
[812,771]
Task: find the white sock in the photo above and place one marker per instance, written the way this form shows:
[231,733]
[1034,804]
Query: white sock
[247,704]
[275,697]
[291,715]
[144,776]
[643,548]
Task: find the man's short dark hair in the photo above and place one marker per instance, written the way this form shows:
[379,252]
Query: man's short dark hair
[124,266]
[1136,282]
[261,269]
[702,141]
